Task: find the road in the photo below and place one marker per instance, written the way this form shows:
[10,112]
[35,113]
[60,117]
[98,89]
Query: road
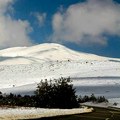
[97,114]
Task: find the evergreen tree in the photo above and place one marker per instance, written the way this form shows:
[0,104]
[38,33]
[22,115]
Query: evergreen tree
[57,94]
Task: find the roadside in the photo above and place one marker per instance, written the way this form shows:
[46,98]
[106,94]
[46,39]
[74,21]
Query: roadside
[30,112]
[97,114]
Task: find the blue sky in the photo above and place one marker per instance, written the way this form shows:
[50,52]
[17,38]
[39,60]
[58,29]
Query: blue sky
[91,26]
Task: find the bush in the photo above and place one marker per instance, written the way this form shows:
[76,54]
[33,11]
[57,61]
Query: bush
[57,94]
[92,98]
[101,99]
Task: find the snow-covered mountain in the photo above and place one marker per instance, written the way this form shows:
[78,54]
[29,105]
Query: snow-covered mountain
[21,68]
[41,53]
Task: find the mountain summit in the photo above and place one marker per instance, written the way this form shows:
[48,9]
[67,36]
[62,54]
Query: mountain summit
[43,52]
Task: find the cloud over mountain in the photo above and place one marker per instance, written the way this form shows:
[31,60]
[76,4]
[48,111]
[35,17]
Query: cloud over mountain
[87,23]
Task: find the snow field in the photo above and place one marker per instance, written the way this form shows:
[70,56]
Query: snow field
[19,75]
[22,68]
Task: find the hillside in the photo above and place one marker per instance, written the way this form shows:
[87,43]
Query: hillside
[21,68]
[41,53]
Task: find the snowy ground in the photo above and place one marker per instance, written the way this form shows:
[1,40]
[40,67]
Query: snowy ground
[101,105]
[80,71]
[22,68]
[115,101]
[25,113]
[98,77]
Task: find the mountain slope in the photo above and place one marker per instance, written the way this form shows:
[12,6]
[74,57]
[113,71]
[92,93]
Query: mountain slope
[21,68]
[41,53]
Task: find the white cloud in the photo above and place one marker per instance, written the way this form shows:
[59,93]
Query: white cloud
[41,17]
[4,5]
[87,22]
[12,32]
[57,22]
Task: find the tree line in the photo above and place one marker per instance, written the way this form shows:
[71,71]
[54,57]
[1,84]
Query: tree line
[57,93]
